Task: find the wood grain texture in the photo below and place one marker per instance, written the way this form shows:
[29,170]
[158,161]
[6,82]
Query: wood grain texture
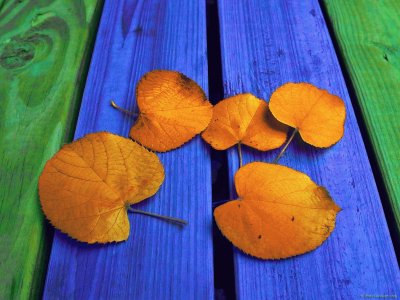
[268,43]
[159,260]
[368,36]
[44,46]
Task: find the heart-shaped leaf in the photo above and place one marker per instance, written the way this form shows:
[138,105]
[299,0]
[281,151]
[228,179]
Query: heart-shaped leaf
[280,212]
[244,119]
[318,115]
[173,109]
[87,186]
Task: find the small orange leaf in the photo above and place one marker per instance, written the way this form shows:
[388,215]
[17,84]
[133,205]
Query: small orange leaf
[317,115]
[85,187]
[280,212]
[173,109]
[244,119]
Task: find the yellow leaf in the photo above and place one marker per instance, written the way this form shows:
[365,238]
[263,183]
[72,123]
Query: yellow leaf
[85,187]
[173,109]
[280,212]
[316,114]
[244,119]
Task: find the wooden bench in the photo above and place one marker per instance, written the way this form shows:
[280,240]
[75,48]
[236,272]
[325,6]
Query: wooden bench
[45,51]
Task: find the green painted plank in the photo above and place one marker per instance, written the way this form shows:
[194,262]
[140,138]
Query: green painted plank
[44,51]
[368,35]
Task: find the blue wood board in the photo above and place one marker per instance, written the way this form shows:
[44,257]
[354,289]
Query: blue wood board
[160,260]
[268,43]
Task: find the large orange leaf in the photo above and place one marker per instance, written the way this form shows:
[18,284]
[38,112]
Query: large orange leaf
[317,115]
[173,109]
[280,212]
[85,187]
[244,119]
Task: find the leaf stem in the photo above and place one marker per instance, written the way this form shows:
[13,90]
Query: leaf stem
[240,155]
[113,104]
[285,147]
[169,219]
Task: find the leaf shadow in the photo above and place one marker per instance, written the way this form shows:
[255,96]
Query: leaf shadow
[69,242]
[298,150]
[307,151]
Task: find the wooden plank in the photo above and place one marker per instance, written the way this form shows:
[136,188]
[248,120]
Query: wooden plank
[44,52]
[368,36]
[159,260]
[268,43]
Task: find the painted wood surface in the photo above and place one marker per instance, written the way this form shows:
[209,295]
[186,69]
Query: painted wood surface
[159,260]
[44,50]
[368,36]
[268,43]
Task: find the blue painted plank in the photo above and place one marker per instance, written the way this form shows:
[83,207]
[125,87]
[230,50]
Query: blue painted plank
[265,44]
[159,260]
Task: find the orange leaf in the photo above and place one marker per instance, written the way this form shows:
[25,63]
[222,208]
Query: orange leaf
[280,212]
[173,109]
[85,187]
[244,119]
[316,114]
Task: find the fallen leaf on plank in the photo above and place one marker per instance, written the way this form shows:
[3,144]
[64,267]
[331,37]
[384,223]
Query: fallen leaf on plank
[172,110]
[316,114]
[280,212]
[244,119]
[86,188]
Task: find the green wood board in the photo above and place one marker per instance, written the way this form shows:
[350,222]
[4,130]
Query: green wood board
[45,48]
[368,35]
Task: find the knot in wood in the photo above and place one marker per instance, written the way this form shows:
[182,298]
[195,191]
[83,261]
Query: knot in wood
[16,53]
